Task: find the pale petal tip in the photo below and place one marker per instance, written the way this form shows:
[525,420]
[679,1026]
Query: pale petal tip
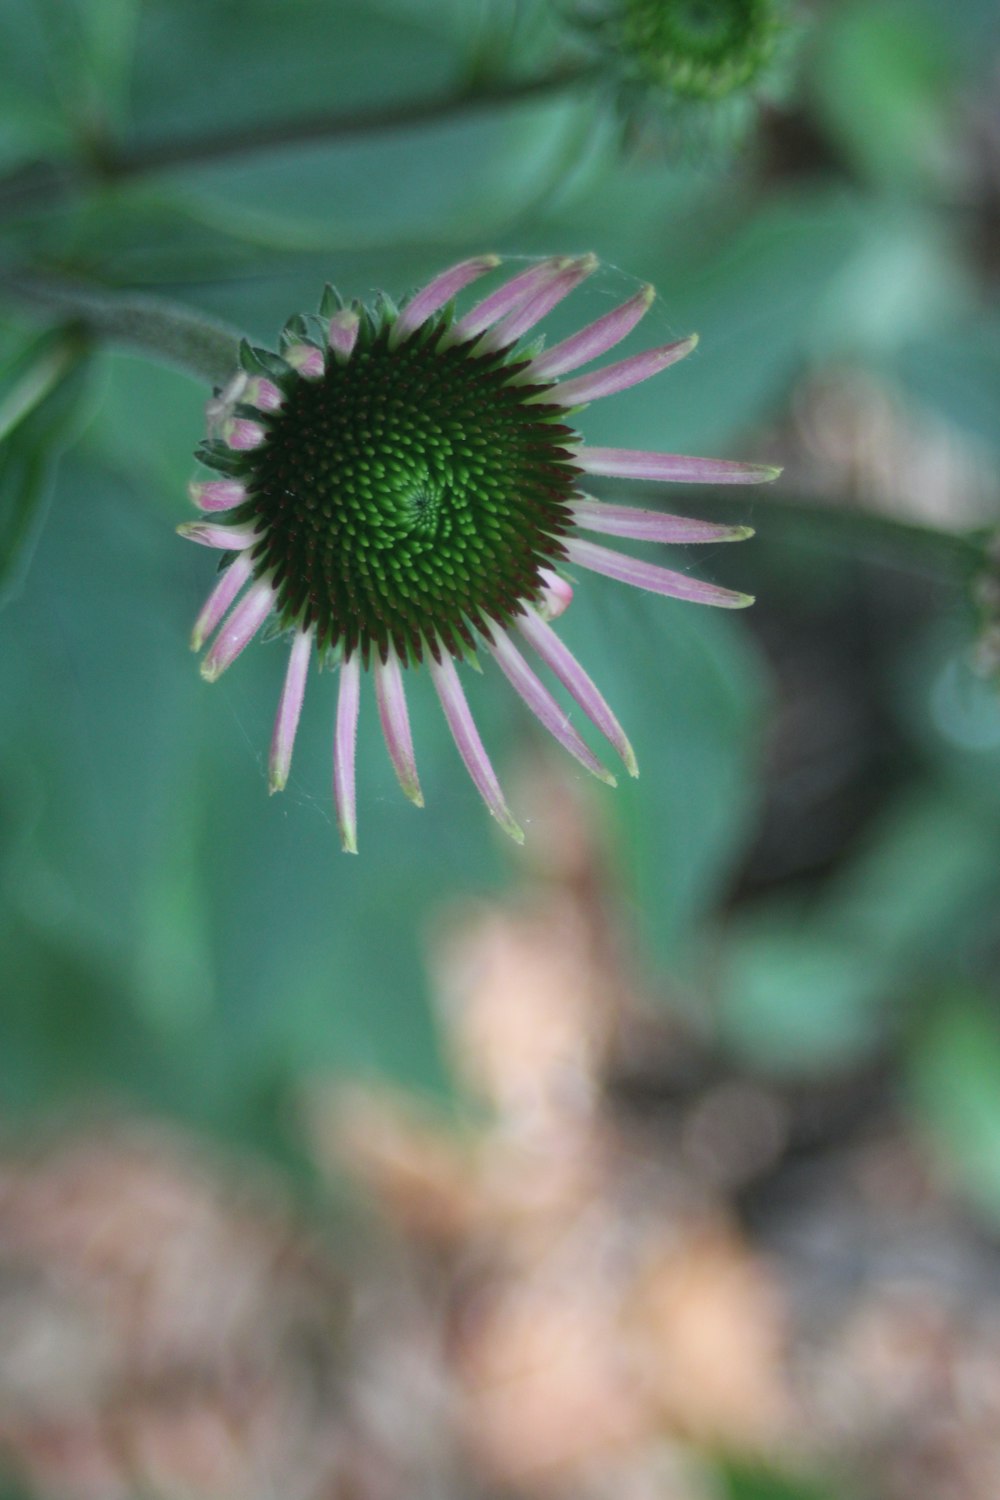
[739,534]
[210,670]
[648,294]
[511,828]
[348,839]
[277,779]
[739,601]
[767,472]
[606,776]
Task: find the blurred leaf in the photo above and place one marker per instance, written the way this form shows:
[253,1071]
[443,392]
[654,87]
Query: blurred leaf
[809,987]
[954,1075]
[957,373]
[883,75]
[744,1483]
[689,692]
[797,998]
[238,61]
[40,396]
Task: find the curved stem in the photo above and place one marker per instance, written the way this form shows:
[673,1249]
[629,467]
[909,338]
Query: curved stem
[173,334]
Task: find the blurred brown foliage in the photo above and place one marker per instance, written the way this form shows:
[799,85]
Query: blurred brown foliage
[603,1270]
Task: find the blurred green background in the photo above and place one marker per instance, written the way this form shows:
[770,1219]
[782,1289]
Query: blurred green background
[807,868]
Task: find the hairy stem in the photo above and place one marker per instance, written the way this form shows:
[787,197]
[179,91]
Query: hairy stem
[168,332]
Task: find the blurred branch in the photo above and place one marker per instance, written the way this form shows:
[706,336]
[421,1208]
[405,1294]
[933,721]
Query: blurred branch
[170,333]
[44,182]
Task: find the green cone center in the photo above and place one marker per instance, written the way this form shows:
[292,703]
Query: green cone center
[409,495]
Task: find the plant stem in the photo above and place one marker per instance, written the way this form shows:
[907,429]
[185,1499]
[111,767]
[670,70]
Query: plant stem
[170,333]
[45,182]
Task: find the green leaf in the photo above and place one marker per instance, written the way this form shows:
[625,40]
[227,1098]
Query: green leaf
[40,395]
[954,1077]
[688,690]
[744,1483]
[810,987]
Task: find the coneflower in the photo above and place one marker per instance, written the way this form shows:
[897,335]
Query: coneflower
[400,487]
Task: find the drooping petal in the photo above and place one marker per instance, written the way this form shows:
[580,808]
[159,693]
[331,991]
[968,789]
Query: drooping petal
[286,722]
[593,341]
[650,525]
[344,747]
[617,377]
[219,408]
[542,704]
[343,334]
[391,698]
[238,630]
[436,294]
[217,494]
[505,299]
[517,323]
[222,596]
[470,746]
[225,538]
[644,575]
[242,435]
[561,661]
[632,463]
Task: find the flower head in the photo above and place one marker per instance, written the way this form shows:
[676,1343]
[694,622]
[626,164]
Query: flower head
[401,487]
[691,49]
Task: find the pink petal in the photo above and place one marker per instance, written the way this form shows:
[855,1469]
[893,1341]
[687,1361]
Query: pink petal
[239,630]
[560,660]
[632,463]
[650,525]
[289,708]
[222,596]
[594,340]
[226,538]
[344,745]
[508,297]
[437,294]
[542,704]
[524,318]
[470,746]
[264,394]
[343,334]
[243,435]
[391,698]
[617,377]
[217,494]
[307,359]
[644,575]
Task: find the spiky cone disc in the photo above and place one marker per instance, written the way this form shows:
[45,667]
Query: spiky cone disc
[399,486]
